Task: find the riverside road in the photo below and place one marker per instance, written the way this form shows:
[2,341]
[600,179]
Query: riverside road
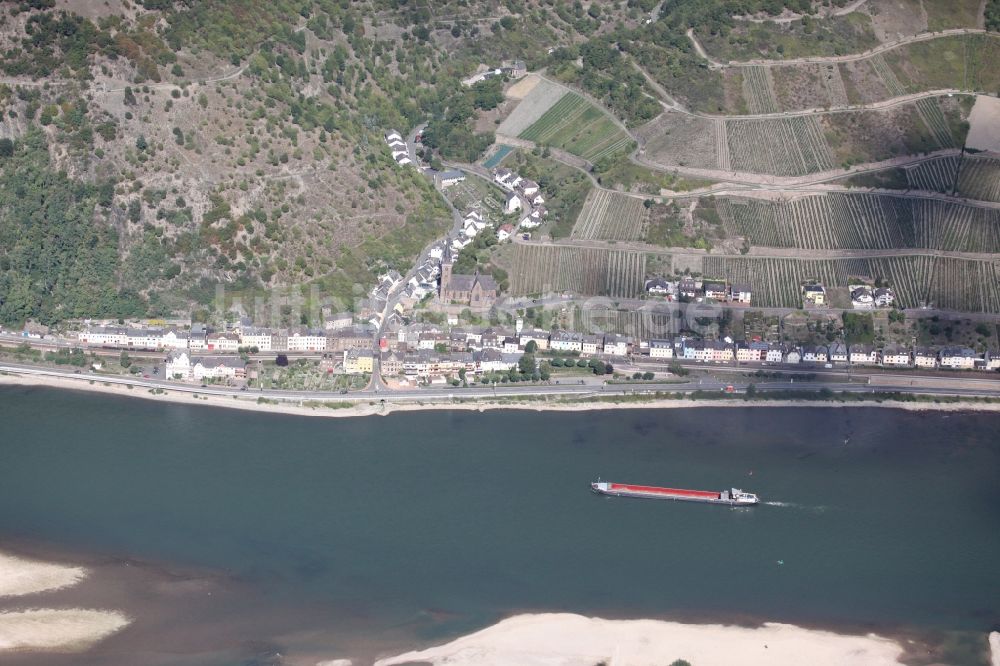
[959,386]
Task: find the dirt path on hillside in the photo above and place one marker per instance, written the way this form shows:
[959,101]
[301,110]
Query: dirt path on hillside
[882,48]
[758,251]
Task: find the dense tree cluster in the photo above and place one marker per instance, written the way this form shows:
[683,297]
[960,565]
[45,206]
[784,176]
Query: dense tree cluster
[56,259]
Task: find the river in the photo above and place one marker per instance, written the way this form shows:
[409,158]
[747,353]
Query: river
[425,525]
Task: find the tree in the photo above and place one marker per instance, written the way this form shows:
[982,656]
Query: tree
[677,369]
[281,360]
[6,147]
[531,347]
[124,360]
[648,375]
[141,143]
[545,372]
[526,364]
[751,390]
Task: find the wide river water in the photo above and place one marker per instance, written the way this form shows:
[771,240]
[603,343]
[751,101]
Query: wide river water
[425,525]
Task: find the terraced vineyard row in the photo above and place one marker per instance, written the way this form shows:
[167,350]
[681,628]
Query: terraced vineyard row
[936,175]
[562,114]
[758,89]
[954,284]
[625,275]
[979,178]
[861,221]
[887,76]
[781,146]
[577,126]
[610,216]
[969,286]
[943,226]
[933,117]
[825,221]
[536,269]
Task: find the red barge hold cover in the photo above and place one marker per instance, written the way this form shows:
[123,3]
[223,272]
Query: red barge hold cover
[732,497]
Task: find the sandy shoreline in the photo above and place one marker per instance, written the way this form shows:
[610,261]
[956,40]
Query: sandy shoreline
[19,576]
[565,639]
[467,404]
[49,629]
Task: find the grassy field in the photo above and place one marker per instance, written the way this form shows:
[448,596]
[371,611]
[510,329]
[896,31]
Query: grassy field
[952,14]
[577,126]
[911,129]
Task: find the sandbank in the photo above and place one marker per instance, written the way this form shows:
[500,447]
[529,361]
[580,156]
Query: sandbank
[564,639]
[57,629]
[20,576]
[369,407]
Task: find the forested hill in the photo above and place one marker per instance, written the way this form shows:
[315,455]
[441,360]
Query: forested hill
[168,146]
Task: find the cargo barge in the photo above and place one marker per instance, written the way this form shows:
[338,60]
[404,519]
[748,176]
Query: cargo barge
[731,497]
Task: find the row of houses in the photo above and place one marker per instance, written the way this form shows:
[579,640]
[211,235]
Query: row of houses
[200,339]
[690,289]
[524,196]
[866,297]
[398,148]
[424,364]
[423,337]
[725,351]
[182,365]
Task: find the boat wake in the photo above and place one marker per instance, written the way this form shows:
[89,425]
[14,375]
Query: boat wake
[795,505]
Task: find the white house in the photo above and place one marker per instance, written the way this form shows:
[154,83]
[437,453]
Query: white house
[839,353]
[528,187]
[512,203]
[108,336]
[502,177]
[178,365]
[260,338]
[661,349]
[218,368]
[750,353]
[925,358]
[222,342]
[896,356]
[174,339]
[504,232]
[305,339]
[616,345]
[863,355]
[536,335]
[449,178]
[566,341]
[144,338]
[884,297]
[660,287]
[958,358]
[775,354]
[815,354]
[862,298]
[590,344]
[741,293]
[717,291]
